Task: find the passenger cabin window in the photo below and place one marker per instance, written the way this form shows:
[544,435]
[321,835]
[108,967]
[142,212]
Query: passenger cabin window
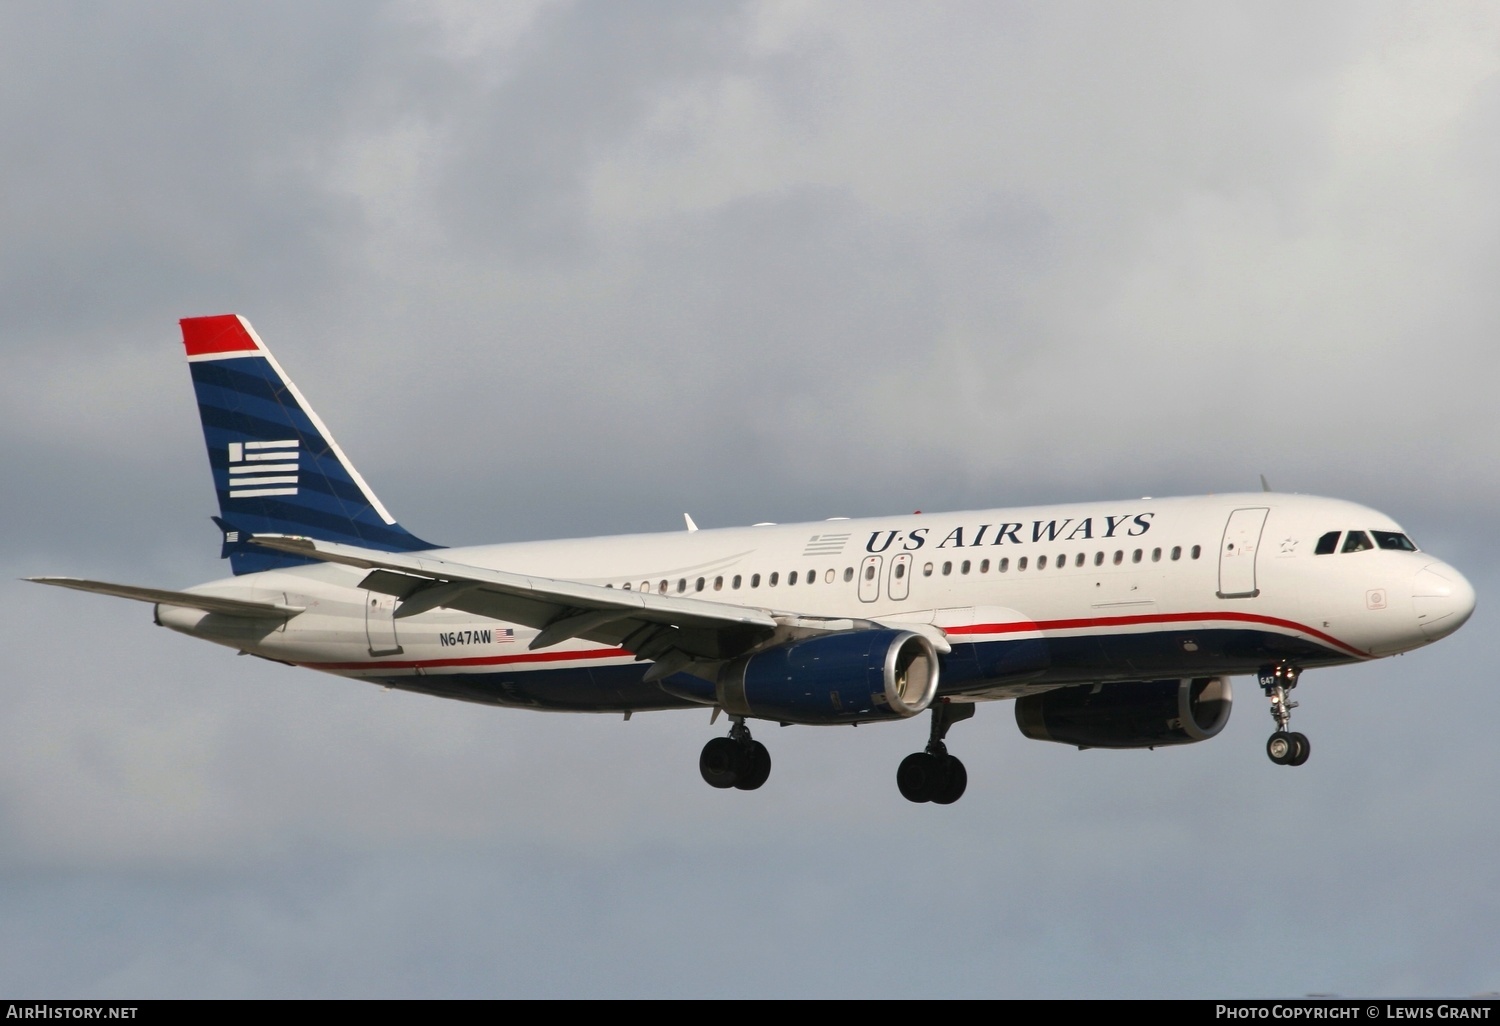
[1392,540]
[1176,551]
[791,578]
[771,581]
[848,573]
[1197,551]
[1328,544]
[1357,541]
[1041,563]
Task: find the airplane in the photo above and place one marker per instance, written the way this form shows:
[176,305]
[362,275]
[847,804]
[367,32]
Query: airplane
[1109,624]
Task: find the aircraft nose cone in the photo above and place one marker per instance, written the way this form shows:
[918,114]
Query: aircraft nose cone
[1444,600]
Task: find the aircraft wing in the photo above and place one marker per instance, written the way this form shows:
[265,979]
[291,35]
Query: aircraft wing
[192,600]
[670,630]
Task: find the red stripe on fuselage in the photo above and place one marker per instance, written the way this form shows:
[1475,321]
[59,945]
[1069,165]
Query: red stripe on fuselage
[1021,627]
[1202,619]
[208,336]
[501,660]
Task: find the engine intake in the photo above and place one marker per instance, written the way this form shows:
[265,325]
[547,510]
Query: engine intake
[848,677]
[1128,714]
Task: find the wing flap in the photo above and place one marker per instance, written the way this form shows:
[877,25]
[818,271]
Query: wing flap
[559,609]
[162,596]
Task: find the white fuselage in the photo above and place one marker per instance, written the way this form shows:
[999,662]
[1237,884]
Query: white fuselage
[1028,598]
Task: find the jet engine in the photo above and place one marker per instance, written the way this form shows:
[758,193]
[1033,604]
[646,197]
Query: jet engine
[847,677]
[1128,714]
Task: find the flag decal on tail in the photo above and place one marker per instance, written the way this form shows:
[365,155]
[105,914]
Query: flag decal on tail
[262,468]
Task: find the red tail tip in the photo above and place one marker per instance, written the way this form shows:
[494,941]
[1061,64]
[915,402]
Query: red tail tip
[208,336]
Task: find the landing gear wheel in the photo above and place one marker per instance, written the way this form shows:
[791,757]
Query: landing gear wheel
[919,776]
[934,775]
[721,762]
[1285,747]
[1304,749]
[1282,748]
[737,761]
[955,780]
[757,766]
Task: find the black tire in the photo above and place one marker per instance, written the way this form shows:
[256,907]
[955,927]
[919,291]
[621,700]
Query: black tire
[721,763]
[918,777]
[757,767]
[955,781]
[1304,749]
[1281,748]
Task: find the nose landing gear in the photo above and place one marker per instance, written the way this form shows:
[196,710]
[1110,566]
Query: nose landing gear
[934,775]
[737,761]
[1285,747]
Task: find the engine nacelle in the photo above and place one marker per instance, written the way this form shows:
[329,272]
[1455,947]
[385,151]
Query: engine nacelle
[848,677]
[1128,714]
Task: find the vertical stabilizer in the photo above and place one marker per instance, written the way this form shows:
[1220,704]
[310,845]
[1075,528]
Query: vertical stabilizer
[276,467]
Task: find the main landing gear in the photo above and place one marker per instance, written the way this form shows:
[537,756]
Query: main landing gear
[735,761]
[1285,747]
[934,775]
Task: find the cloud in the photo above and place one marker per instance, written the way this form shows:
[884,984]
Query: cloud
[566,269]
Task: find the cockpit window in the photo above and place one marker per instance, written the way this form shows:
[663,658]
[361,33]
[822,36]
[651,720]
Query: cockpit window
[1357,541]
[1328,544]
[1392,540]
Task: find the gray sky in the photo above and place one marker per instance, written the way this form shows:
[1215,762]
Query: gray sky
[569,268]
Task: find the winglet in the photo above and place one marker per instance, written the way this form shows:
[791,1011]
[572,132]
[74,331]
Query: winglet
[690,525]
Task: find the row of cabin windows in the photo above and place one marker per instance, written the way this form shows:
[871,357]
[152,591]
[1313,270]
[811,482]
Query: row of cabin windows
[1079,559]
[1359,541]
[966,566]
[738,580]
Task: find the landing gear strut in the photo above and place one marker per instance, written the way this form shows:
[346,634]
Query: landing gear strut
[934,775]
[1285,747]
[737,761]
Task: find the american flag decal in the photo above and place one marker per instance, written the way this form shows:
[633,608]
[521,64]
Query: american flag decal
[263,468]
[825,544]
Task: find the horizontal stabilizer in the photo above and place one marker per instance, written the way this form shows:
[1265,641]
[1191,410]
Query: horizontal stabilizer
[192,600]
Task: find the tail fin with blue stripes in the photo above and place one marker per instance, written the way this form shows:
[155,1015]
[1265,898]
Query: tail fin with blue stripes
[276,468]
